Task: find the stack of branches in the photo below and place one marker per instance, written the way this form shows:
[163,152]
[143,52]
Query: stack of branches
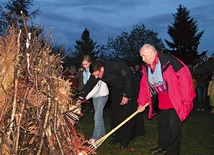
[37,111]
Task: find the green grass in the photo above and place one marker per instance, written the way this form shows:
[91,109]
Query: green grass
[197,135]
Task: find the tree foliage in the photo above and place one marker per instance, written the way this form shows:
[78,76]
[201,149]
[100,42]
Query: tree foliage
[127,45]
[11,13]
[86,46]
[185,39]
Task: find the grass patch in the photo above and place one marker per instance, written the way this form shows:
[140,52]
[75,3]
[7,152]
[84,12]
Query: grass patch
[197,135]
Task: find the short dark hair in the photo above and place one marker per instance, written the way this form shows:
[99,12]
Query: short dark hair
[96,65]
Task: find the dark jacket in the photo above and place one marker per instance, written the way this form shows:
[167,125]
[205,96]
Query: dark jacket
[117,75]
[122,82]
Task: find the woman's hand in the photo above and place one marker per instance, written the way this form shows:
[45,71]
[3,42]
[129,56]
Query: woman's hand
[78,103]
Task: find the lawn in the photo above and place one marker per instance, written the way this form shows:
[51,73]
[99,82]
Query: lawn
[197,135]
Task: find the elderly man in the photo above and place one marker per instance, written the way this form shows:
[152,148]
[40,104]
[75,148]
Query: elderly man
[172,81]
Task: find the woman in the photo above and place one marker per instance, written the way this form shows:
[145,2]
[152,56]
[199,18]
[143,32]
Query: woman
[83,76]
[99,94]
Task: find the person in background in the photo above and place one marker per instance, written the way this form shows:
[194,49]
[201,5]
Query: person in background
[65,73]
[99,95]
[80,79]
[194,82]
[210,93]
[72,78]
[86,62]
[195,87]
[201,89]
[172,81]
[83,77]
[193,76]
[137,70]
[124,91]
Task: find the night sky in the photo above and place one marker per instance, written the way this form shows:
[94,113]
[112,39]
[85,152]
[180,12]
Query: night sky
[104,18]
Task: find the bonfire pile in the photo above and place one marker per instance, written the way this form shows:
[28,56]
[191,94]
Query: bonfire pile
[37,110]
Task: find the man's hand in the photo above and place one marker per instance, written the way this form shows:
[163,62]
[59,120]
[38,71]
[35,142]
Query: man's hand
[142,108]
[124,100]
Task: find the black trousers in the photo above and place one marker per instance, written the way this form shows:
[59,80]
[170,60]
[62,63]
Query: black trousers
[169,131]
[131,129]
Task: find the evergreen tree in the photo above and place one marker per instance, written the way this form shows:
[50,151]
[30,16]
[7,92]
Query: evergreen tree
[185,39]
[127,45]
[86,46]
[10,13]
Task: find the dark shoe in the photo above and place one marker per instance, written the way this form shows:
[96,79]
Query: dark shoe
[113,141]
[157,150]
[124,145]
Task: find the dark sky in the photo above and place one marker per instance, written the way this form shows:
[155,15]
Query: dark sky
[104,18]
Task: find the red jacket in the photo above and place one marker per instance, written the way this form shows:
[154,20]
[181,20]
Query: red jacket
[179,86]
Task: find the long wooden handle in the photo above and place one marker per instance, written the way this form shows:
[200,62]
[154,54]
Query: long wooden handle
[94,146]
[126,120]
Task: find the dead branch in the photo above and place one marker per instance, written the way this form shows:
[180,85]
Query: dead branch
[45,122]
[18,121]
[16,75]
